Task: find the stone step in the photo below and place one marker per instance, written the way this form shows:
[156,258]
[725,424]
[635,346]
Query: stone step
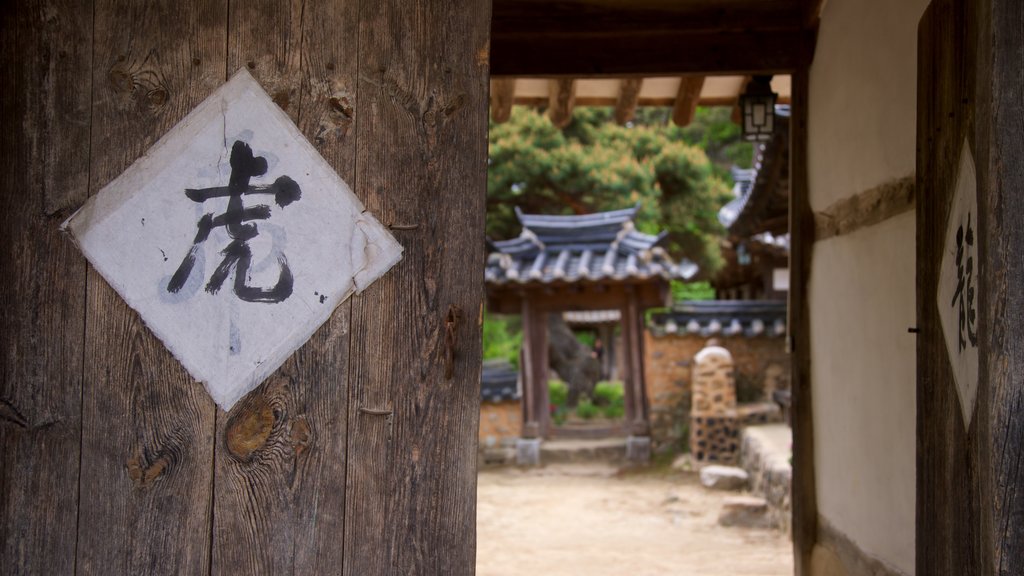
[564,451]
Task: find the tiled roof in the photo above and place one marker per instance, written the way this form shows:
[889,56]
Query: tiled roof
[751,183]
[602,246]
[722,318]
[499,381]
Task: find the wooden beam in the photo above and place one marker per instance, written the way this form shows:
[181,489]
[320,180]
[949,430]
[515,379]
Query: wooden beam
[805,499]
[561,99]
[866,208]
[685,106]
[629,97]
[603,16]
[503,92]
[612,54]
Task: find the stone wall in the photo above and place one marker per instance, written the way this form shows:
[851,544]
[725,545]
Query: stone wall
[762,366]
[500,422]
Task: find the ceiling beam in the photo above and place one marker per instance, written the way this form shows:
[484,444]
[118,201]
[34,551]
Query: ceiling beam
[562,98]
[503,94]
[609,54]
[629,97]
[685,106]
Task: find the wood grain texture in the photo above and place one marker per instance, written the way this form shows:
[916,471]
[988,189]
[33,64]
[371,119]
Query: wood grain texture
[1004,275]
[629,97]
[685,106]
[952,463]
[561,101]
[421,127]
[281,453]
[801,218]
[147,430]
[865,208]
[44,92]
[503,91]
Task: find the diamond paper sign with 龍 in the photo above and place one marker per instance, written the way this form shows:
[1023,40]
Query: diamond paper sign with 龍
[233,239]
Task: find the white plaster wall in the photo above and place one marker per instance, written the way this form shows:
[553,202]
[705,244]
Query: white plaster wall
[862,129]
[863,97]
[863,373]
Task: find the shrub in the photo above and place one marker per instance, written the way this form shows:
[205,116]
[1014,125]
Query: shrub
[611,397]
[586,409]
[502,338]
[558,393]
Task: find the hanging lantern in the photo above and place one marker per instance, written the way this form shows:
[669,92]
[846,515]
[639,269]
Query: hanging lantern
[758,105]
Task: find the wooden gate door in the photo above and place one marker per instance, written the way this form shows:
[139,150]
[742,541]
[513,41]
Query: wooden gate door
[970,218]
[358,456]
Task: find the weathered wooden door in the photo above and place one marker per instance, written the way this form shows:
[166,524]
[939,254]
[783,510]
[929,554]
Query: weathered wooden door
[359,455]
[970,217]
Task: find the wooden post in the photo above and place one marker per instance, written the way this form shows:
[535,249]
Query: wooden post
[561,100]
[503,93]
[687,99]
[637,424]
[528,361]
[629,96]
[801,222]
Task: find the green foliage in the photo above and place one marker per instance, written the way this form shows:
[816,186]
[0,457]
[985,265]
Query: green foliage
[558,397]
[502,338]
[679,176]
[683,291]
[585,337]
[558,393]
[611,397]
[586,409]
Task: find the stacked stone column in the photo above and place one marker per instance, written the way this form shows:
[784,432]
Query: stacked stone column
[714,425]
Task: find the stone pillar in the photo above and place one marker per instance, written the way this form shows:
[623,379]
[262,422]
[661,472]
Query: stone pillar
[714,425]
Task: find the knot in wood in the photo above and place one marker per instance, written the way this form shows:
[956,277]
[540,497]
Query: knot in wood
[249,429]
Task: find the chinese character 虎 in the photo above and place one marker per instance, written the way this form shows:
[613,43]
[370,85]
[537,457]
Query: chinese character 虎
[237,254]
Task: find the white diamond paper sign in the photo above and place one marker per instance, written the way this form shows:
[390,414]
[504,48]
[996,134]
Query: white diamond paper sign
[958,282]
[233,239]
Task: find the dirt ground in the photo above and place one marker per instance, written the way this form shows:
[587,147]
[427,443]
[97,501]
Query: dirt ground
[587,519]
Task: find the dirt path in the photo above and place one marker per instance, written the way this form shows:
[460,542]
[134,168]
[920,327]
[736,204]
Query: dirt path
[587,520]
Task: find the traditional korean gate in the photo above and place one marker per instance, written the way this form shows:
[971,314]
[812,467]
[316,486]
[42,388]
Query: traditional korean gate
[970,179]
[358,456]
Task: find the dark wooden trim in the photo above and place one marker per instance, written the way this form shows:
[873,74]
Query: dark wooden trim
[528,359]
[611,54]
[865,208]
[805,504]
[629,96]
[561,99]
[503,92]
[685,106]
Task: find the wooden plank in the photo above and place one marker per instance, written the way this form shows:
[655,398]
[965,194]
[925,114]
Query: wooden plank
[685,106]
[281,453]
[951,461]
[503,91]
[629,97]
[866,208]
[147,427]
[561,100]
[632,337]
[609,54]
[421,126]
[801,218]
[45,63]
[1001,211]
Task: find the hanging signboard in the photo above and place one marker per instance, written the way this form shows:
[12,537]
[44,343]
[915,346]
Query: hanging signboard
[233,239]
[958,282]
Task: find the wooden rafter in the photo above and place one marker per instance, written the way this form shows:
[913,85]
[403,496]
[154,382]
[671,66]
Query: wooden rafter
[687,99]
[562,98]
[503,92]
[629,97]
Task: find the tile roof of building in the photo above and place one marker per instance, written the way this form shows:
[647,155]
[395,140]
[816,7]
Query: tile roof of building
[748,318]
[601,246]
[499,381]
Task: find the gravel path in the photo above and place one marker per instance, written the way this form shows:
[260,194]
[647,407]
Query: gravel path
[587,519]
